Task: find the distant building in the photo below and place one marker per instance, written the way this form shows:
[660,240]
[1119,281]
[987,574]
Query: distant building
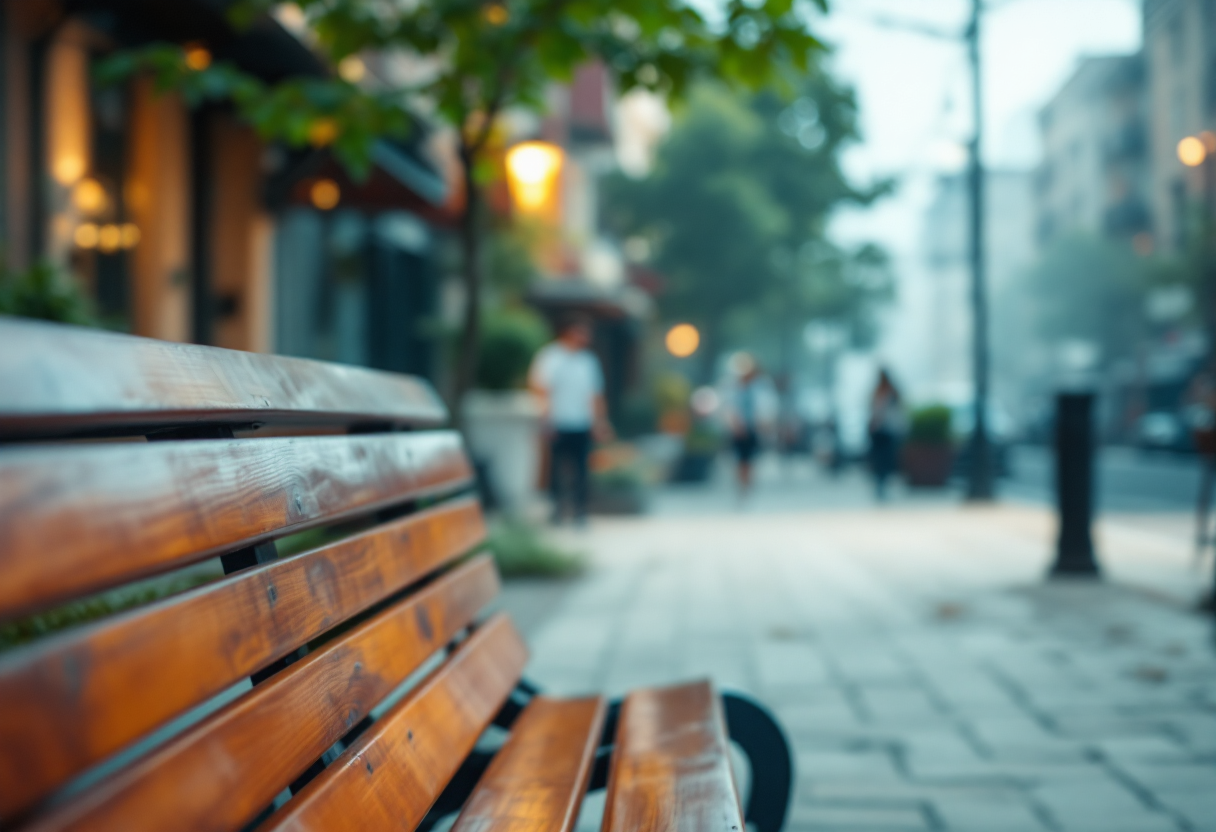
[1180,71]
[1094,178]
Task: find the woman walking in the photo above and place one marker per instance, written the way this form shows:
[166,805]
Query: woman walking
[886,424]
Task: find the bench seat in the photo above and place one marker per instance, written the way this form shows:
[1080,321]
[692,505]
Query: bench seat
[274,575]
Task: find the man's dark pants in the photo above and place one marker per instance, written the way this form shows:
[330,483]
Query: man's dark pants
[571,449]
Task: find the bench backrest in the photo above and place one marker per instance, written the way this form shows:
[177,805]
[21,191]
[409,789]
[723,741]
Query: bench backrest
[131,468]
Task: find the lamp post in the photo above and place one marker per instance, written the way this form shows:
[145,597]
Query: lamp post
[1197,151]
[980,481]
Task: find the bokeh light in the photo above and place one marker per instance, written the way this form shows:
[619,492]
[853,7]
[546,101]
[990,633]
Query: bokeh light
[532,170]
[683,340]
[1191,151]
[89,196]
[325,194]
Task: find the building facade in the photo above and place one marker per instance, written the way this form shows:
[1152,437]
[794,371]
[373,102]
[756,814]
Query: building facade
[1180,71]
[1094,177]
[181,223]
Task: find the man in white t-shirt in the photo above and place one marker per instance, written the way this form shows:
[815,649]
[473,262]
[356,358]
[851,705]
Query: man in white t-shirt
[567,377]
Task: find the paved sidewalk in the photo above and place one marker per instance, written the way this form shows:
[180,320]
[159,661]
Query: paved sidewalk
[928,677]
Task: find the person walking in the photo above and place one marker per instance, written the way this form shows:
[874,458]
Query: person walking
[885,426]
[568,379]
[745,419]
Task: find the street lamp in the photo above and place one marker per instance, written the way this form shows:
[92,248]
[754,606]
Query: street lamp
[532,172]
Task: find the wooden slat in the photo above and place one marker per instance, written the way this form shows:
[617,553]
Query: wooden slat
[219,774]
[393,773]
[75,519]
[536,782]
[74,700]
[63,380]
[671,765]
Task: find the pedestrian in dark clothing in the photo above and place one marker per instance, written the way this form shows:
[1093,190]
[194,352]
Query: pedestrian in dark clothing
[885,427]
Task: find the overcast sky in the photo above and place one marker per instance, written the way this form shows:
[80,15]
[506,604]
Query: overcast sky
[913,90]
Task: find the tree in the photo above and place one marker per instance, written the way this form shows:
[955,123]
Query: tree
[486,58]
[736,208]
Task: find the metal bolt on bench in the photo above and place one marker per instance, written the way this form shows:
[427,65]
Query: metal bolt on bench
[182,454]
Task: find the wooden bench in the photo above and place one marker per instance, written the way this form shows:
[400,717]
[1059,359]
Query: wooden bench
[353,685]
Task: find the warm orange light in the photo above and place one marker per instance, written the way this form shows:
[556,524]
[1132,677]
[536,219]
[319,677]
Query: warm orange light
[130,235]
[1191,151]
[496,14]
[198,57]
[89,196]
[532,171]
[109,238]
[68,169]
[322,132]
[325,194]
[86,235]
[352,69]
[683,340]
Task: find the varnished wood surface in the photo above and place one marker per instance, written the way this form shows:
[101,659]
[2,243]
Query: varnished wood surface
[64,380]
[79,518]
[538,779]
[671,765]
[222,772]
[393,773]
[71,701]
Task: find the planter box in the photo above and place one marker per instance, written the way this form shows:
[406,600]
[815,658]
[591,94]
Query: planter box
[504,434]
[927,465]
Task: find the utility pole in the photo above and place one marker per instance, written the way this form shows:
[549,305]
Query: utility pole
[980,479]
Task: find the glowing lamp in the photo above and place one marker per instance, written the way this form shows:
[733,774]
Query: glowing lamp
[198,57]
[325,194]
[109,238]
[130,234]
[496,14]
[89,196]
[68,169]
[1191,151]
[86,235]
[322,132]
[532,171]
[683,340]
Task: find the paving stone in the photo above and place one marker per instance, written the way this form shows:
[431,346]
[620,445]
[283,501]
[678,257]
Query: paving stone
[925,675]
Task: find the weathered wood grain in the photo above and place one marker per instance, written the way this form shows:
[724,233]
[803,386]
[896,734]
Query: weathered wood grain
[671,765]
[74,700]
[393,773]
[537,780]
[64,380]
[219,774]
[75,519]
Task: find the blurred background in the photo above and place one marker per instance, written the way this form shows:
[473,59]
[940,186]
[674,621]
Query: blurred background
[889,333]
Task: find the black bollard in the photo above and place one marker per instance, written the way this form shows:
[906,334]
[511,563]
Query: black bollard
[1075,484]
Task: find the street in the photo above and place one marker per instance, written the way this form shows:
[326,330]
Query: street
[1128,479]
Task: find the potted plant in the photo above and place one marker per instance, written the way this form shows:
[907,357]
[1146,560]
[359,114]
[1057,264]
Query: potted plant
[696,461]
[927,453]
[502,419]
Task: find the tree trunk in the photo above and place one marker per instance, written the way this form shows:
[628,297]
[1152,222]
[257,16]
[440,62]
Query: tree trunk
[470,274]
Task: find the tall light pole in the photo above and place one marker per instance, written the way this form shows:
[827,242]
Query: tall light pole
[980,480]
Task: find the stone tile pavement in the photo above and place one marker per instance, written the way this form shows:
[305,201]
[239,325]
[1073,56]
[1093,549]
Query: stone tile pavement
[928,677]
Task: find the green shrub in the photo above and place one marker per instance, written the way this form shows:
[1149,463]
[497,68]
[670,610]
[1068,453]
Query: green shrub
[930,425]
[509,339]
[702,441]
[521,551]
[45,292]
